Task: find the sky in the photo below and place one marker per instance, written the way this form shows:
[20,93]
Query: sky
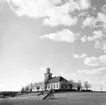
[66,35]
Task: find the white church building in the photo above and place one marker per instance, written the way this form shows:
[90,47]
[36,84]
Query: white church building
[54,82]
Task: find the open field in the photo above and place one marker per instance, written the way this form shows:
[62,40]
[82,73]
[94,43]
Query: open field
[72,98]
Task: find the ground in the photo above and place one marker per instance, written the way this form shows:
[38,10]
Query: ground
[72,98]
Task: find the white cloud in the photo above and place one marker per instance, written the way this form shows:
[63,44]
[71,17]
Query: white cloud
[54,12]
[100,44]
[104,47]
[60,15]
[85,4]
[76,56]
[83,39]
[95,61]
[88,22]
[102,59]
[64,35]
[101,17]
[73,6]
[56,2]
[90,38]
[83,55]
[95,22]
[55,15]
[100,20]
[97,35]
[27,7]
[92,61]
[31,8]
[104,8]
[56,20]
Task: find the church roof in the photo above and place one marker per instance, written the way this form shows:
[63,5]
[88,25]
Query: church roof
[56,79]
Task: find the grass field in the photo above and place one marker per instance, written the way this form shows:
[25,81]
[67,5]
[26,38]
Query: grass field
[72,98]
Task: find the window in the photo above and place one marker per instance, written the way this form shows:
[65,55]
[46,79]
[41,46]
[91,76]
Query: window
[51,86]
[57,85]
[54,86]
[48,86]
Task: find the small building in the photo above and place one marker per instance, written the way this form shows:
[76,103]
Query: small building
[54,82]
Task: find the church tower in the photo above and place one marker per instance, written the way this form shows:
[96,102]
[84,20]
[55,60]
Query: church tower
[48,75]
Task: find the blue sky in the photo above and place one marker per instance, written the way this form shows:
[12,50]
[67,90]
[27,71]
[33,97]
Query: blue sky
[67,35]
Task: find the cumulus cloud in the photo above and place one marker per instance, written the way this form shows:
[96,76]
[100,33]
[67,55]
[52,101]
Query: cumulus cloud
[31,8]
[97,35]
[100,20]
[88,22]
[85,4]
[95,22]
[102,59]
[102,17]
[104,8]
[83,38]
[95,61]
[56,20]
[54,12]
[60,15]
[100,45]
[83,55]
[64,35]
[104,47]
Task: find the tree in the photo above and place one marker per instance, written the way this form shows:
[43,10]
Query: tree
[22,90]
[79,85]
[27,89]
[64,85]
[86,85]
[71,84]
[74,85]
[38,87]
[31,86]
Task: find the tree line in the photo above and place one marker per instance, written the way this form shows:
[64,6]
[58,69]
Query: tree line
[77,86]
[31,86]
[70,85]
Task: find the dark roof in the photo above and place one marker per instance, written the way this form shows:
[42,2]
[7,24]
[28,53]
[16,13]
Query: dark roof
[56,79]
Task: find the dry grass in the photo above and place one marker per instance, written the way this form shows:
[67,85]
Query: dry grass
[74,98]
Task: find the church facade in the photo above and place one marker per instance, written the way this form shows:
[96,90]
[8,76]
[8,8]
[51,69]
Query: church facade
[54,82]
